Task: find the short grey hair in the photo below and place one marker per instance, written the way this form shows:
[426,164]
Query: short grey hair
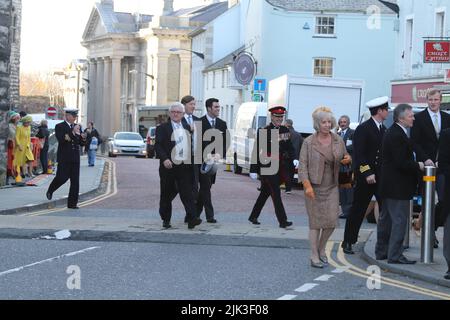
[399,111]
[176,105]
[320,114]
[344,117]
[290,122]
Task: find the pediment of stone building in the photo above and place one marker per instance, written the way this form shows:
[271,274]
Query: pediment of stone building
[95,27]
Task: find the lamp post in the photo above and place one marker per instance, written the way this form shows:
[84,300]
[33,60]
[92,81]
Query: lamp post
[198,54]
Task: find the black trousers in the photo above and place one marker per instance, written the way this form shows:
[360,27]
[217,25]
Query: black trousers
[270,187]
[362,195]
[204,196]
[66,171]
[290,173]
[177,180]
[44,159]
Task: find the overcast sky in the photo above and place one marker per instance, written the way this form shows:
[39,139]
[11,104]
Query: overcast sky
[52,29]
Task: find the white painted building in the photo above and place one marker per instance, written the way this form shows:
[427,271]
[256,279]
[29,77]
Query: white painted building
[331,38]
[419,20]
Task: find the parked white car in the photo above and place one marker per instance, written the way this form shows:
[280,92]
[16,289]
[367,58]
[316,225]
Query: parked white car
[127,144]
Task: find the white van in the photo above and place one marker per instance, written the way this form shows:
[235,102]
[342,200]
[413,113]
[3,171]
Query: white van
[250,117]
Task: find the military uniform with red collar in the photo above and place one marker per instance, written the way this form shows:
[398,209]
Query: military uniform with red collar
[271,180]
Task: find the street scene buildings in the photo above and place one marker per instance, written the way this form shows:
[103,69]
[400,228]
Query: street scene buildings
[89,205]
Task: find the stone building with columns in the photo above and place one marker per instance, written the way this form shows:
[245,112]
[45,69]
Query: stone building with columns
[131,64]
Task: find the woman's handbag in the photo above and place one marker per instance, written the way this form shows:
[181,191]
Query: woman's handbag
[345,179]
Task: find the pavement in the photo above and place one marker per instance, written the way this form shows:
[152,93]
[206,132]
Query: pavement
[32,197]
[17,202]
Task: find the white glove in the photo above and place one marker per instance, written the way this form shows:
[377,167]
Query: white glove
[254,176]
[296,163]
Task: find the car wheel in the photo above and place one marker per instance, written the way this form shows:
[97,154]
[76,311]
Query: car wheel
[236,168]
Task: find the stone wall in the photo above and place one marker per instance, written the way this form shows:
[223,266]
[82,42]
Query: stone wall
[5,53]
[10,11]
[16,22]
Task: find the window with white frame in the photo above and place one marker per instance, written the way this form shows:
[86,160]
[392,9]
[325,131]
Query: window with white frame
[325,25]
[323,67]
[440,24]
[223,78]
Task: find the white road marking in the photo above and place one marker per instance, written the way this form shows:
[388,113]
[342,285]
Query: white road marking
[306,287]
[70,254]
[287,297]
[325,277]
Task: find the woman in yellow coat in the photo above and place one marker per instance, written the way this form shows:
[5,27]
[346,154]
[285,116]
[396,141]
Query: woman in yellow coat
[23,154]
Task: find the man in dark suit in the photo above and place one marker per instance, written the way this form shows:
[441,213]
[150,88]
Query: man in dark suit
[399,179]
[444,166]
[214,144]
[346,191]
[367,141]
[426,132]
[271,166]
[172,143]
[297,141]
[70,138]
[193,122]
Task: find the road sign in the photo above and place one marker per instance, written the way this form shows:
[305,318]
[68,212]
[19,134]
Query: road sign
[260,85]
[258,97]
[51,112]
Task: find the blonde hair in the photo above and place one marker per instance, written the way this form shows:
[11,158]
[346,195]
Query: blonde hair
[323,113]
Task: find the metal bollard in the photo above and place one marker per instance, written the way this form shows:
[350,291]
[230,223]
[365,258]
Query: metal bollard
[408,225]
[427,237]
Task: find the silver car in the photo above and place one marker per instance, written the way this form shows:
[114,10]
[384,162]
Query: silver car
[128,144]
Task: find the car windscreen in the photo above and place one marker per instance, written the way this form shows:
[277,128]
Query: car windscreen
[128,136]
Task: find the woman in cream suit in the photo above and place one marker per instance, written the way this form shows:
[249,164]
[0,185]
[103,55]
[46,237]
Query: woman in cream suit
[320,158]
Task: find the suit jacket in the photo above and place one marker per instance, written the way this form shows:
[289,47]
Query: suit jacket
[286,150]
[297,141]
[349,136]
[399,170]
[68,144]
[367,141]
[222,127]
[424,135]
[164,143]
[312,161]
[194,118]
[444,165]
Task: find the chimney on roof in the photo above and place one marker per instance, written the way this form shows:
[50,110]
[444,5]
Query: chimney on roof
[108,3]
[168,7]
[232,3]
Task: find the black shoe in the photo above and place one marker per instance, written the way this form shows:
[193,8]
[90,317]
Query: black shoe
[381,257]
[211,220]
[402,260]
[447,275]
[193,223]
[436,244]
[342,216]
[285,224]
[254,220]
[166,225]
[347,248]
[73,207]
[49,195]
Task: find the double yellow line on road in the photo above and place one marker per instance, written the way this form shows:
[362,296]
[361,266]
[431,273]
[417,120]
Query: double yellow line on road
[354,270]
[111,191]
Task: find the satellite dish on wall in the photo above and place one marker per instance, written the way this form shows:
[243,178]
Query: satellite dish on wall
[244,68]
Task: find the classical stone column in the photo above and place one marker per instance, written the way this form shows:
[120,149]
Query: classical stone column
[115,110]
[99,112]
[185,75]
[107,98]
[163,67]
[92,115]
